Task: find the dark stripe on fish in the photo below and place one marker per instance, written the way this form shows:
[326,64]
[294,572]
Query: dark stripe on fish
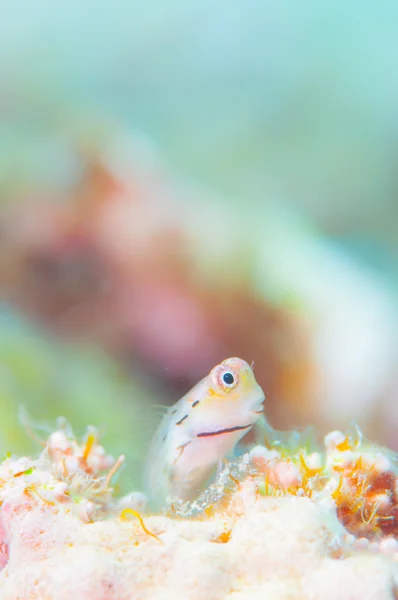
[181,420]
[195,403]
[222,431]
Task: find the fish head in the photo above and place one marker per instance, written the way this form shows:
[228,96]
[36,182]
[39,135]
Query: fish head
[229,396]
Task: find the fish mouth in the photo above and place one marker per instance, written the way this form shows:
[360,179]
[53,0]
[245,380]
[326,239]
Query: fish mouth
[224,431]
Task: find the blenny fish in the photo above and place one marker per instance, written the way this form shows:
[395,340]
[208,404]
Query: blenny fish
[199,431]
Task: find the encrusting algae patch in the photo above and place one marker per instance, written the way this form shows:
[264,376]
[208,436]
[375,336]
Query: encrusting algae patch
[284,520]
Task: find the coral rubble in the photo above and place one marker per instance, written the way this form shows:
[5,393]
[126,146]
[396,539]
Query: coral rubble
[285,520]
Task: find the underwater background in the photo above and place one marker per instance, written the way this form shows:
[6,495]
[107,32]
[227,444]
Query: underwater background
[183,182]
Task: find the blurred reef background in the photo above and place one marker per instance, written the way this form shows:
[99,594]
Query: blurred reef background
[183,182]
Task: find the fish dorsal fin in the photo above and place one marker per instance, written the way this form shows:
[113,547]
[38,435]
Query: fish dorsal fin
[160,409]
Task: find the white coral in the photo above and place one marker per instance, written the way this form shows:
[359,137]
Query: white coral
[54,545]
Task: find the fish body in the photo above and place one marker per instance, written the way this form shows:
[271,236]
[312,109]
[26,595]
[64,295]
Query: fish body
[200,430]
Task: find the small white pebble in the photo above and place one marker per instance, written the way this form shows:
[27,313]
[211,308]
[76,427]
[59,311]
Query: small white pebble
[333,439]
[314,460]
[287,475]
[374,546]
[361,543]
[60,490]
[262,455]
[58,441]
[389,546]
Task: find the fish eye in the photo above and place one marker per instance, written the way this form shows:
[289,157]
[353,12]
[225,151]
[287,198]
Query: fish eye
[225,377]
[228,378]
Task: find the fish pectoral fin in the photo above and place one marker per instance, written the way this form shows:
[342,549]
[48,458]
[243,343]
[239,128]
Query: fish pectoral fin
[179,451]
